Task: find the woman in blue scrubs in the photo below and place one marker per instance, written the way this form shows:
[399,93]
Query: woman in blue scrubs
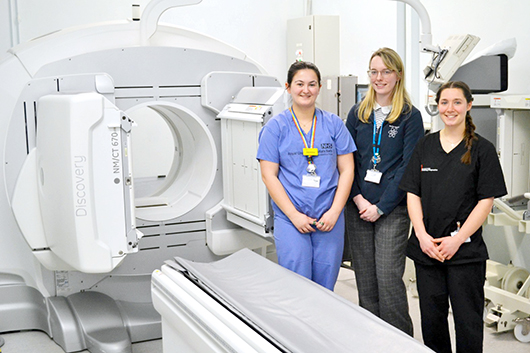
[306,161]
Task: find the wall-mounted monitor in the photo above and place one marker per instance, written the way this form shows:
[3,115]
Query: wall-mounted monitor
[486,74]
[360,92]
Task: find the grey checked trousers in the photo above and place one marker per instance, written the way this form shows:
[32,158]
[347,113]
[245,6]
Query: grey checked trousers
[378,256]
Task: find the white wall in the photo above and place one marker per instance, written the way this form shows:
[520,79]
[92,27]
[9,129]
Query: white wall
[365,27]
[256,27]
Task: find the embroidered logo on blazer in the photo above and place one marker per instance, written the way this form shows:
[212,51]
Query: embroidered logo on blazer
[393,131]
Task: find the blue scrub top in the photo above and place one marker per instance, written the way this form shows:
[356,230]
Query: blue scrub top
[280,142]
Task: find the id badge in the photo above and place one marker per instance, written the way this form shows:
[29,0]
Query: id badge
[455,232]
[311,181]
[373,176]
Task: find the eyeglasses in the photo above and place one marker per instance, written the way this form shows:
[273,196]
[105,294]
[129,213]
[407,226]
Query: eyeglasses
[384,73]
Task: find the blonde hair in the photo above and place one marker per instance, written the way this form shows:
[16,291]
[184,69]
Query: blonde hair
[400,97]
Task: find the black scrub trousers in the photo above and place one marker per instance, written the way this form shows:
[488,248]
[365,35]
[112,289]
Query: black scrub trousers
[449,191]
[464,284]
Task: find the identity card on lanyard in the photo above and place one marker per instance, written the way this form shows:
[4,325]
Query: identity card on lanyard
[373,175]
[311,180]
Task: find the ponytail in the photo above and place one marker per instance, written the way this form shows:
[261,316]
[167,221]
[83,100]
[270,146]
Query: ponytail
[469,137]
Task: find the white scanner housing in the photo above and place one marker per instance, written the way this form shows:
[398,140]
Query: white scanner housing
[83,218]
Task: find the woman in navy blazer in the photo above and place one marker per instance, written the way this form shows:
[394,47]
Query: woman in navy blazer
[385,127]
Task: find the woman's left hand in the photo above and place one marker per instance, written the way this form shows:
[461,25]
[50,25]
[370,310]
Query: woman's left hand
[370,214]
[448,246]
[327,221]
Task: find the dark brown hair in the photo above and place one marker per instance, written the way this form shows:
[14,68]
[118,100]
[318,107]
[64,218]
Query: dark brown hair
[301,65]
[469,133]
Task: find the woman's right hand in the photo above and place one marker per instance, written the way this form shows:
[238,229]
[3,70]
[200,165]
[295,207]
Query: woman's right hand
[430,247]
[303,223]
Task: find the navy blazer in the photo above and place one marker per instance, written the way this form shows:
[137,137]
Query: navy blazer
[398,140]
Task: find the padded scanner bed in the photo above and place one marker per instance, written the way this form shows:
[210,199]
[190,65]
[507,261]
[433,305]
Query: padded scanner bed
[247,303]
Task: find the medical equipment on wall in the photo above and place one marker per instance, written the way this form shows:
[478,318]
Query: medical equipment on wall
[445,62]
[271,309]
[446,59]
[77,256]
[482,86]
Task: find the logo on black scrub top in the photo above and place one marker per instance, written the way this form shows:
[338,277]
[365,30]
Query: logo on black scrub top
[428,169]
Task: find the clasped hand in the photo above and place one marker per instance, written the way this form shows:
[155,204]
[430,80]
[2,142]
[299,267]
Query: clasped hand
[440,249]
[367,211]
[369,214]
[306,224]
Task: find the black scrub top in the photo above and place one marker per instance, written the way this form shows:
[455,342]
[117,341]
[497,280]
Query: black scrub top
[449,190]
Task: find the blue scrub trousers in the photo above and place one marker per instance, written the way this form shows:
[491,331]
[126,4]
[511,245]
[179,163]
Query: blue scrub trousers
[316,256]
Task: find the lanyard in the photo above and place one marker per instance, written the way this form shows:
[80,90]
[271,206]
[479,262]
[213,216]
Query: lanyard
[375,147]
[308,151]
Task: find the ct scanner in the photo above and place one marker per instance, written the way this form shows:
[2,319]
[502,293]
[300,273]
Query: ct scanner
[85,224]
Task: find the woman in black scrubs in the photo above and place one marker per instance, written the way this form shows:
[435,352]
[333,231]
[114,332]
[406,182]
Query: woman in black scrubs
[451,181]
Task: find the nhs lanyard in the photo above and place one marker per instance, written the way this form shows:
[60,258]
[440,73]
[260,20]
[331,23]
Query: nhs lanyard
[375,147]
[309,150]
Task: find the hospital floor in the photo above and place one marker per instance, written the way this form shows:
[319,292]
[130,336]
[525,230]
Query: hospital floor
[38,342]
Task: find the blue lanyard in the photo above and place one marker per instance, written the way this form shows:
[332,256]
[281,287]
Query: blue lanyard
[377,157]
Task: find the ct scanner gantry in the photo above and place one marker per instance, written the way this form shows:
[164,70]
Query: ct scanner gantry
[80,233]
